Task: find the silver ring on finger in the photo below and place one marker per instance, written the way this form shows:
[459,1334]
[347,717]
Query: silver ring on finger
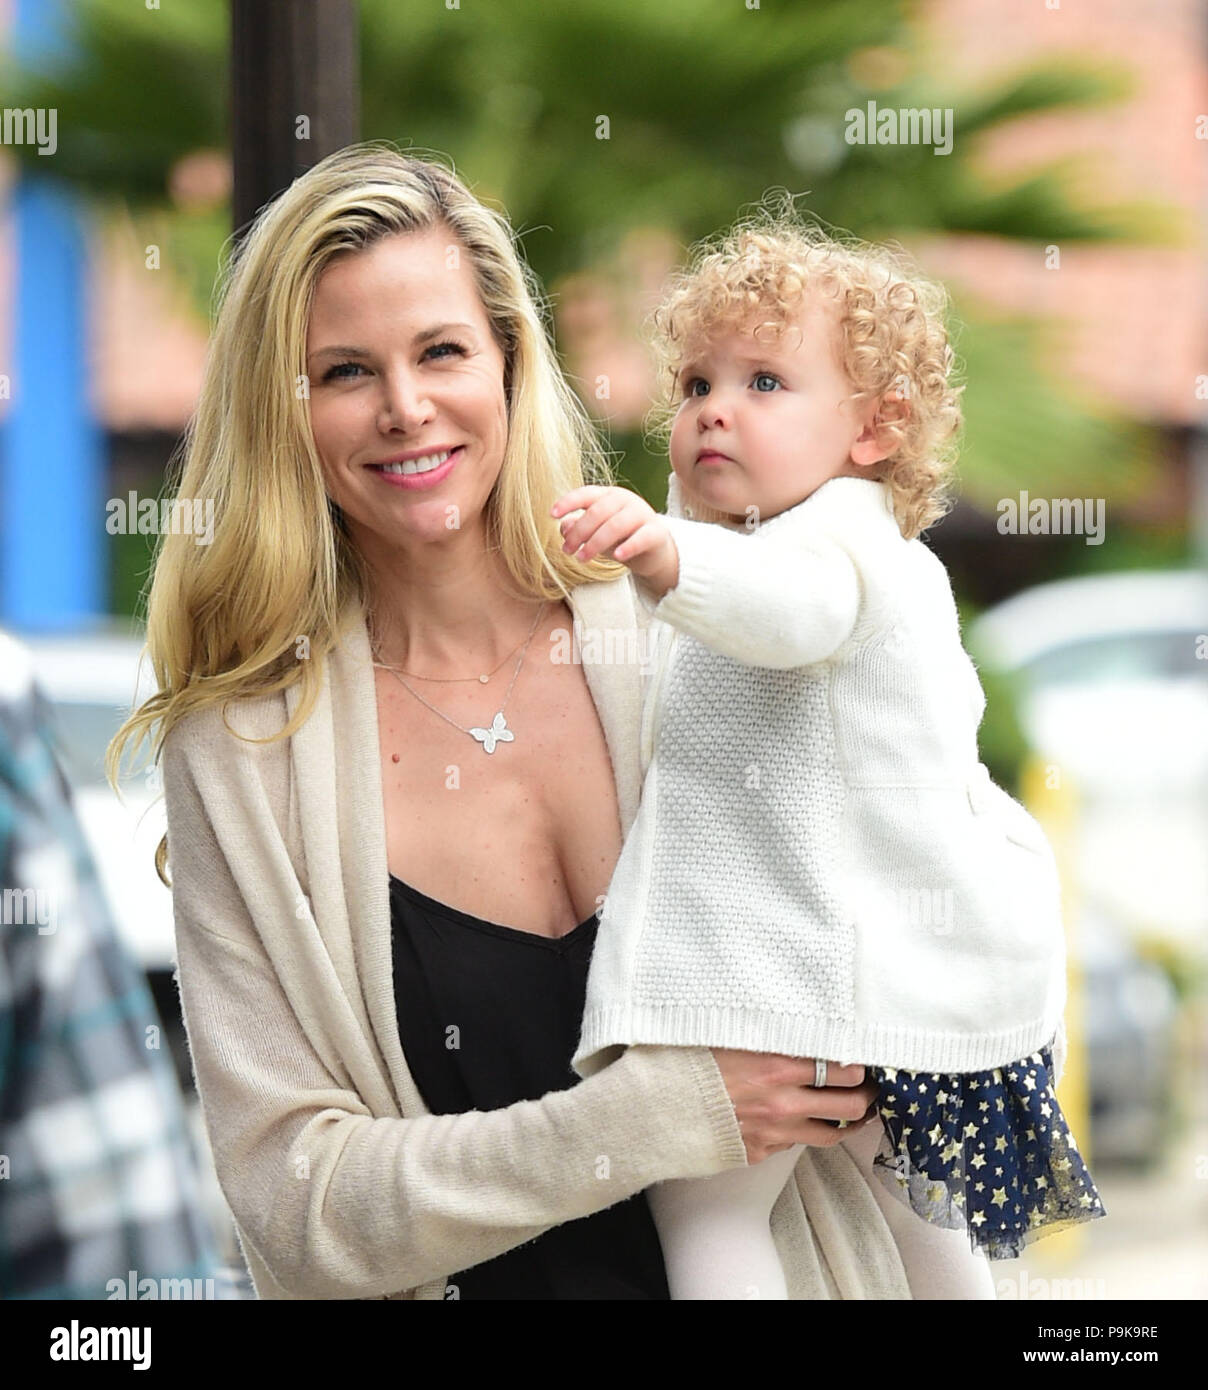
[819,1072]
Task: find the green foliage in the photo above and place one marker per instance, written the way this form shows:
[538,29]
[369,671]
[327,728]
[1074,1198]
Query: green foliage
[1027,428]
[708,105]
[130,559]
[1000,738]
[143,88]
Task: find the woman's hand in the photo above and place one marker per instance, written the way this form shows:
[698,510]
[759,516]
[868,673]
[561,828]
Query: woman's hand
[778,1105]
[613,518]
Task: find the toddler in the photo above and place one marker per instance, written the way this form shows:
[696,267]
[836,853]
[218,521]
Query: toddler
[821,866]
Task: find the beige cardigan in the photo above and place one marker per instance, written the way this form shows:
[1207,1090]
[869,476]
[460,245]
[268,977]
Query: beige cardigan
[341,1183]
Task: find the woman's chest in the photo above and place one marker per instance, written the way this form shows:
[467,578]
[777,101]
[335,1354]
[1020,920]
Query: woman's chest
[526,835]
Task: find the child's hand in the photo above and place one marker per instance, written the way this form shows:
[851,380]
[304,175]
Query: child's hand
[613,518]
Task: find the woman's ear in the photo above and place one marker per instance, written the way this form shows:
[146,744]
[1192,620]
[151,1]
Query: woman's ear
[875,442]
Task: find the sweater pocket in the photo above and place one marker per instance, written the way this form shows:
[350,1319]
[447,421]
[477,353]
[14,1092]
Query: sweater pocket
[1017,824]
[956,905]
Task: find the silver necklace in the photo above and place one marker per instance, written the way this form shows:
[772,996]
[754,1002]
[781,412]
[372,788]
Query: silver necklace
[499,731]
[448,680]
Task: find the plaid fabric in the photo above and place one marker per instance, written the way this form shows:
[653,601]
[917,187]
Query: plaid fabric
[101,1181]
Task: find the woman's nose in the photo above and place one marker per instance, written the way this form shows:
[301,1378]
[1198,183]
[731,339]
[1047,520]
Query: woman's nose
[406,405]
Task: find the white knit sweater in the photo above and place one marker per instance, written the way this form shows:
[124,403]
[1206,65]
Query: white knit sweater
[821,865]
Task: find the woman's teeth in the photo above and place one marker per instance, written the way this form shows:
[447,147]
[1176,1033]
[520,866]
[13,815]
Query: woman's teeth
[423,465]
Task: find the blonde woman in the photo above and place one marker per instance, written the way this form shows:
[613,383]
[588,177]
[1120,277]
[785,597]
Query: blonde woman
[393,807]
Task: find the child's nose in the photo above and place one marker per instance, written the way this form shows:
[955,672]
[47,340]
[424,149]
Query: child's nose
[715,408]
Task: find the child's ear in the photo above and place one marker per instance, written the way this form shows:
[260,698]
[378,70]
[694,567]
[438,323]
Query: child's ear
[874,441]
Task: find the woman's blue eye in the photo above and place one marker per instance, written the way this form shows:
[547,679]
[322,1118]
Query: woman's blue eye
[336,373]
[330,374]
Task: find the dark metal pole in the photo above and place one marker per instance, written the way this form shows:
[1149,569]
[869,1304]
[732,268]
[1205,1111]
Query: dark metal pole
[295,93]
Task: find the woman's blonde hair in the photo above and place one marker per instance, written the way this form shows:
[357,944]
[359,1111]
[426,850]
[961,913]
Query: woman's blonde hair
[893,342]
[224,619]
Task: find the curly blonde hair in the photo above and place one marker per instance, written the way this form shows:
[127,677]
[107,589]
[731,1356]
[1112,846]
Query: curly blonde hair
[893,340]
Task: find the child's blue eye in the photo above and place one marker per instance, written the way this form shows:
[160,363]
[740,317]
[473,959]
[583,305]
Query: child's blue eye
[767,376]
[691,384]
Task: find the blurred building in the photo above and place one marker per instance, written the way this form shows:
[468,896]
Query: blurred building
[1133,318]
[1130,322]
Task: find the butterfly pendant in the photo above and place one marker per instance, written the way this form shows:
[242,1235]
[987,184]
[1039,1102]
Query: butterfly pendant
[497,733]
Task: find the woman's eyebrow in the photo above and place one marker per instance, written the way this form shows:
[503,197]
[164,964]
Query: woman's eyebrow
[423,337]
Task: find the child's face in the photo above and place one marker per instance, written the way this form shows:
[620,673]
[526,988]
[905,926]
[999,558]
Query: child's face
[774,414]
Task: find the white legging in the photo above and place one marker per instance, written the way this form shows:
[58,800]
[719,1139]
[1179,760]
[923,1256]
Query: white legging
[717,1238]
[716,1232]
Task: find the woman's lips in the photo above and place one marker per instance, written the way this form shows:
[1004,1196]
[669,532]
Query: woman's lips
[417,481]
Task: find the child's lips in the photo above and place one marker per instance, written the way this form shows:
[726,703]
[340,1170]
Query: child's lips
[712,456]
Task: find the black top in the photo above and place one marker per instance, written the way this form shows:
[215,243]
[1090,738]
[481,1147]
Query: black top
[489,1015]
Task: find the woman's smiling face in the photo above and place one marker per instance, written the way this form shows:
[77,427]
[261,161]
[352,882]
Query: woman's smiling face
[426,380]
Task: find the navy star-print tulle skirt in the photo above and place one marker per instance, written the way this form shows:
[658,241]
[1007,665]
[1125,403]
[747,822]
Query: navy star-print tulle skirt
[987,1151]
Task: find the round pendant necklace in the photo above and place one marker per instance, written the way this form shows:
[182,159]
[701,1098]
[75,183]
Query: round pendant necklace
[498,732]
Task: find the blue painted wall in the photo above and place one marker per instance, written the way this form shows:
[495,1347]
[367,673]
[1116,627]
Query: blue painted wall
[53,474]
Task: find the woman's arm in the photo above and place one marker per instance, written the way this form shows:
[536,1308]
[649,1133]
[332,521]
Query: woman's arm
[339,1203]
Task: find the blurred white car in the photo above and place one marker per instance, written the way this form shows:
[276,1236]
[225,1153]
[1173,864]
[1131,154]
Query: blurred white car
[1112,672]
[93,681]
